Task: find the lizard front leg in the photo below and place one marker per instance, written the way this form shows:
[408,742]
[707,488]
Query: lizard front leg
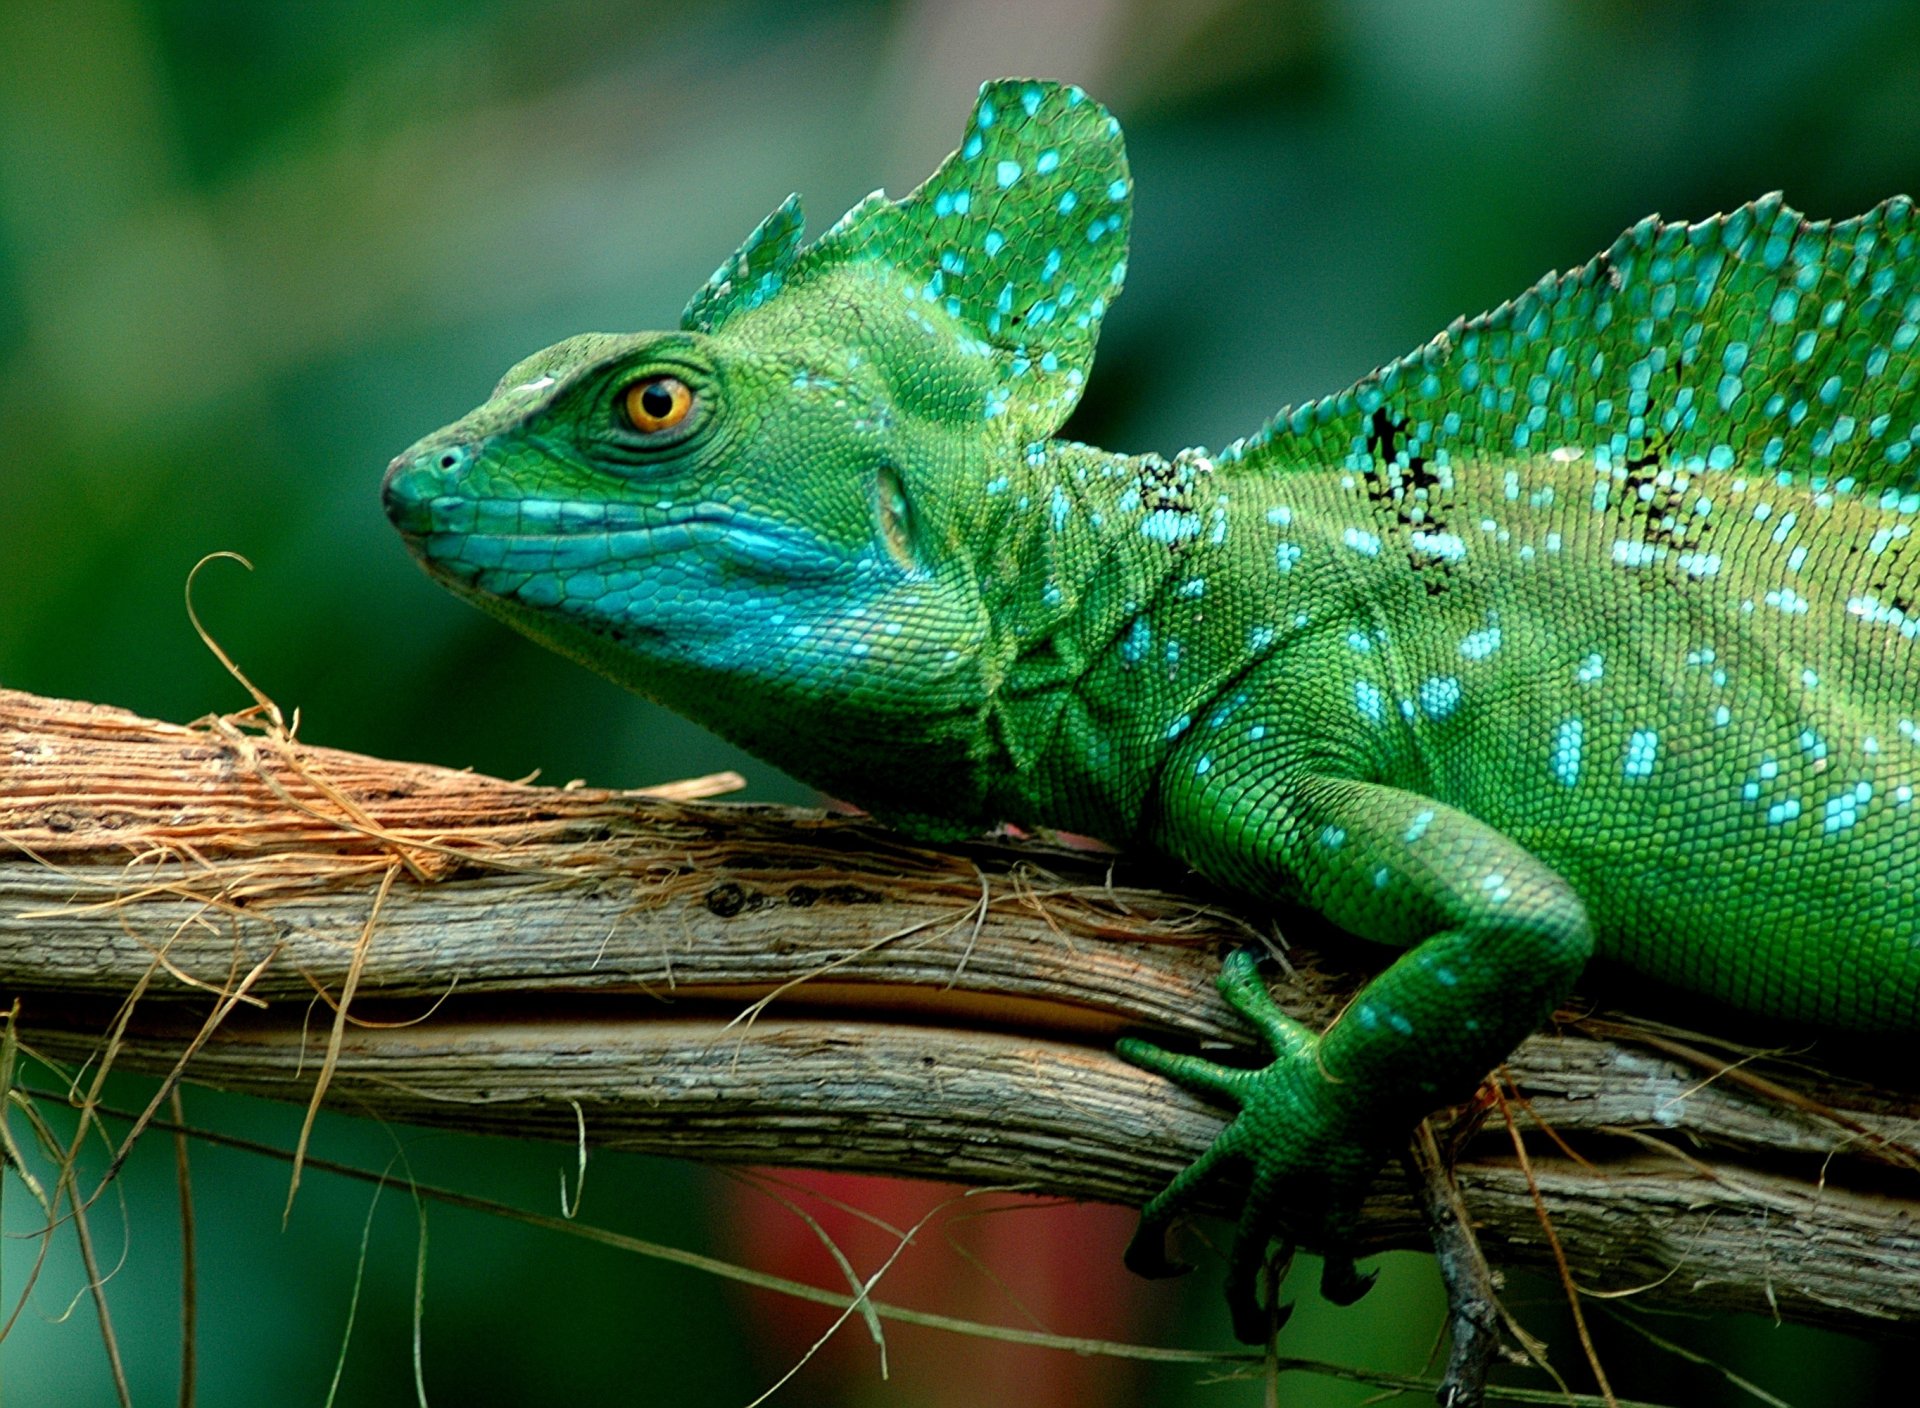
[1495,938]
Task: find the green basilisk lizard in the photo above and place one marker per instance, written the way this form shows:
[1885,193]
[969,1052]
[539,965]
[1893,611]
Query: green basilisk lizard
[1587,628]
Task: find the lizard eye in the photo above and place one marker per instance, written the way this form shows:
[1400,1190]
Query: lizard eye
[657,403]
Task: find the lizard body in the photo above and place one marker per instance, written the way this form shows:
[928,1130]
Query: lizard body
[1587,628]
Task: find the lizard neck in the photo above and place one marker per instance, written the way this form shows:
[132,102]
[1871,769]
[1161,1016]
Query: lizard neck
[1139,604]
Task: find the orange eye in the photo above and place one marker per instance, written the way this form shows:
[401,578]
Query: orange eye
[658,403]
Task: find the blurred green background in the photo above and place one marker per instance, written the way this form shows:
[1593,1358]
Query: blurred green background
[249,251]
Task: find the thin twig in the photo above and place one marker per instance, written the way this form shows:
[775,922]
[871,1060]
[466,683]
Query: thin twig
[1553,1243]
[1473,1320]
[189,1275]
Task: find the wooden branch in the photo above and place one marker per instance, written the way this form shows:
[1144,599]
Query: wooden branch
[779,986]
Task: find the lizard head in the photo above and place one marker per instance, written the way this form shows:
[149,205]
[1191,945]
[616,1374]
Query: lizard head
[781,513]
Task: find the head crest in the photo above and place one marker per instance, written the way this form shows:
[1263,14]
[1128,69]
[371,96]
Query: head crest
[753,273]
[1017,245]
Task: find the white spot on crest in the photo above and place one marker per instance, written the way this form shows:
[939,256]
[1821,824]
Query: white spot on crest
[1478,645]
[1643,744]
[1440,696]
[1442,545]
[1568,742]
[1368,699]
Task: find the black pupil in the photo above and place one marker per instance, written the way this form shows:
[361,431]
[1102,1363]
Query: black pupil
[656,400]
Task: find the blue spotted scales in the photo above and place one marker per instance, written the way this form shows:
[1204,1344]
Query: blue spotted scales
[1588,628]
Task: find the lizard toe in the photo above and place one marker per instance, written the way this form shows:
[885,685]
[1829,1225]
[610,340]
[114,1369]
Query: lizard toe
[1341,1282]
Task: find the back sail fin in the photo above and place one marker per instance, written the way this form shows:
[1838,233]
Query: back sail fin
[1754,342]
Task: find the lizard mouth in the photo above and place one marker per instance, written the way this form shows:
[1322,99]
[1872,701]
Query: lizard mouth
[462,538]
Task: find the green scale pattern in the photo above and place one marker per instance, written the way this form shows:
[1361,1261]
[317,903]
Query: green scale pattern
[1587,628]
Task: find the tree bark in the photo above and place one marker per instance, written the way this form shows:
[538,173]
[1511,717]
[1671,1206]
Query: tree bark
[752,983]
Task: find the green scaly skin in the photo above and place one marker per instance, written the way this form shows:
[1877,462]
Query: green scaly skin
[1589,627]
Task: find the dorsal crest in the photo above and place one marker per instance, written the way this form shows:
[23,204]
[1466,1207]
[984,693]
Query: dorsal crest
[1015,247]
[1758,342]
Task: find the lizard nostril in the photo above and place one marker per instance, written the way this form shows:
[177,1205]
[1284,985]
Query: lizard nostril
[449,460]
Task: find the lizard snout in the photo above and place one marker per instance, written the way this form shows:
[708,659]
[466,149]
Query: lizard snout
[417,476]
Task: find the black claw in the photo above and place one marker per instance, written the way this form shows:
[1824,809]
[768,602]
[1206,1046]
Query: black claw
[1341,1283]
[1254,1323]
[1146,1254]
[1253,1290]
[1249,1320]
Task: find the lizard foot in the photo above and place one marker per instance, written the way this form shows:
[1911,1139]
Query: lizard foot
[1299,1136]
